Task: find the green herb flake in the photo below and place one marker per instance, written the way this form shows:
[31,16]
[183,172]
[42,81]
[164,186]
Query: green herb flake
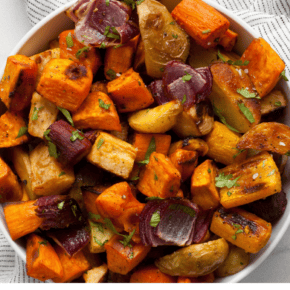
[107,29]
[223,119]
[99,242]
[155,219]
[150,150]
[134,178]
[52,150]
[111,73]
[155,177]
[81,51]
[74,209]
[60,205]
[130,3]
[117,46]
[103,105]
[241,263]
[238,62]
[45,134]
[44,242]
[248,114]
[76,135]
[94,216]
[35,113]
[237,226]
[245,93]
[139,2]
[66,113]
[111,35]
[100,143]
[69,40]
[175,36]
[239,231]
[154,198]
[22,131]
[263,165]
[234,237]
[103,45]
[61,174]
[283,76]
[206,31]
[184,99]
[187,77]
[221,57]
[162,69]
[225,181]
[107,2]
[131,255]
[287,154]
[156,159]
[209,171]
[272,172]
[239,152]
[229,193]
[172,23]
[278,104]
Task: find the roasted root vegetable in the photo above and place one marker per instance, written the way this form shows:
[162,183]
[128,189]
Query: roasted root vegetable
[230,84]
[12,130]
[203,190]
[89,199]
[222,145]
[129,92]
[97,112]
[41,59]
[141,142]
[42,114]
[71,144]
[157,120]
[119,59]
[255,178]
[165,42]
[21,218]
[10,189]
[273,103]
[274,137]
[228,40]
[160,177]
[65,83]
[42,262]
[209,278]
[235,262]
[185,161]
[241,228]
[71,48]
[47,175]
[201,21]
[99,86]
[18,82]
[96,275]
[195,260]
[123,259]
[265,66]
[112,154]
[73,267]
[190,144]
[151,274]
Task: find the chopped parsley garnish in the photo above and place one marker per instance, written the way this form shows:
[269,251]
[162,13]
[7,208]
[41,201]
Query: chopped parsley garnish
[248,114]
[69,40]
[52,150]
[150,150]
[103,105]
[103,45]
[225,181]
[175,36]
[45,134]
[117,46]
[60,205]
[76,135]
[131,255]
[239,152]
[172,23]
[155,176]
[94,216]
[99,242]
[278,104]
[134,178]
[221,56]
[209,171]
[283,76]
[81,51]
[184,99]
[187,77]
[43,243]
[61,174]
[229,193]
[139,2]
[100,143]
[35,113]
[245,93]
[206,31]
[108,34]
[108,2]
[130,3]
[237,62]
[153,198]
[22,131]
[239,231]
[66,113]
[111,73]
[155,219]
[272,172]
[223,119]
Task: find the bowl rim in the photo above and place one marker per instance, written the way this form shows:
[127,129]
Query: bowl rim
[231,279]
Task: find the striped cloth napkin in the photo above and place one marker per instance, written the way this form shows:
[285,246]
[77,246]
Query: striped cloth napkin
[270,18]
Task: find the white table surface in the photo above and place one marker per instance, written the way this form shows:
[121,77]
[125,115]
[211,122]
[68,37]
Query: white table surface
[13,26]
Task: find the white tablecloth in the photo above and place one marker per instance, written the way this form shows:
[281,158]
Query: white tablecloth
[271,18]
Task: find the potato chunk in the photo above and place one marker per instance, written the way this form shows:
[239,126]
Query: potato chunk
[42,114]
[96,275]
[112,154]
[46,173]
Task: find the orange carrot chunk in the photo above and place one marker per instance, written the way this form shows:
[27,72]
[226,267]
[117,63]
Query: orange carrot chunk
[228,40]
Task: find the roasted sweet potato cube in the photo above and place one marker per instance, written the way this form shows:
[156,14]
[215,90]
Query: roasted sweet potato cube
[160,177]
[11,126]
[185,161]
[201,21]
[21,218]
[10,189]
[123,259]
[97,112]
[112,154]
[42,114]
[42,262]
[241,228]
[259,177]
[239,112]
[71,48]
[43,58]
[73,267]
[65,83]
[228,40]
[100,235]
[71,144]
[142,141]
[129,92]
[119,59]
[265,65]
[18,82]
[274,101]
[222,145]
[89,199]
[96,275]
[47,176]
[274,137]
[191,144]
[203,190]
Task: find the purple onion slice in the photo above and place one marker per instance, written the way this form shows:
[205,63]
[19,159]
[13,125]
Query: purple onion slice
[157,90]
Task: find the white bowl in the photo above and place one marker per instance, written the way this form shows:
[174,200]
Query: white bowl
[36,40]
